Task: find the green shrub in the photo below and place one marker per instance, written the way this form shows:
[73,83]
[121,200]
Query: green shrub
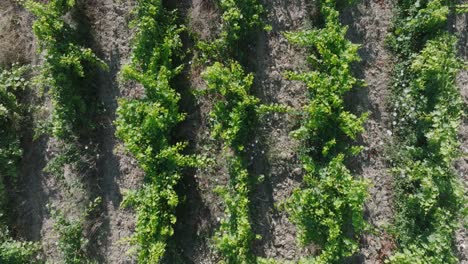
[462,8]
[429,195]
[16,252]
[234,117]
[68,73]
[416,22]
[427,113]
[239,21]
[330,202]
[13,83]
[67,69]
[145,126]
[71,241]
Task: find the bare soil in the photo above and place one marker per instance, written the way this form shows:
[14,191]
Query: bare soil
[460,26]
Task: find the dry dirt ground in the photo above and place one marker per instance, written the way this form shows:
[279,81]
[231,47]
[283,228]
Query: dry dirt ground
[460,27]
[272,150]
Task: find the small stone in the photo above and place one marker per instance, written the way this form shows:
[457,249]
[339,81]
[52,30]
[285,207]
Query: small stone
[297,172]
[290,255]
[279,243]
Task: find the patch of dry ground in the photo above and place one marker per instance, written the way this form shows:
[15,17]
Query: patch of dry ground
[460,26]
[369,23]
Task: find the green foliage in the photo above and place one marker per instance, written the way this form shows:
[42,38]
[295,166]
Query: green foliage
[235,115]
[72,243]
[234,118]
[68,72]
[67,69]
[429,196]
[416,22]
[16,252]
[235,236]
[156,44]
[12,84]
[462,8]
[274,108]
[330,202]
[78,159]
[145,126]
[240,20]
[427,113]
